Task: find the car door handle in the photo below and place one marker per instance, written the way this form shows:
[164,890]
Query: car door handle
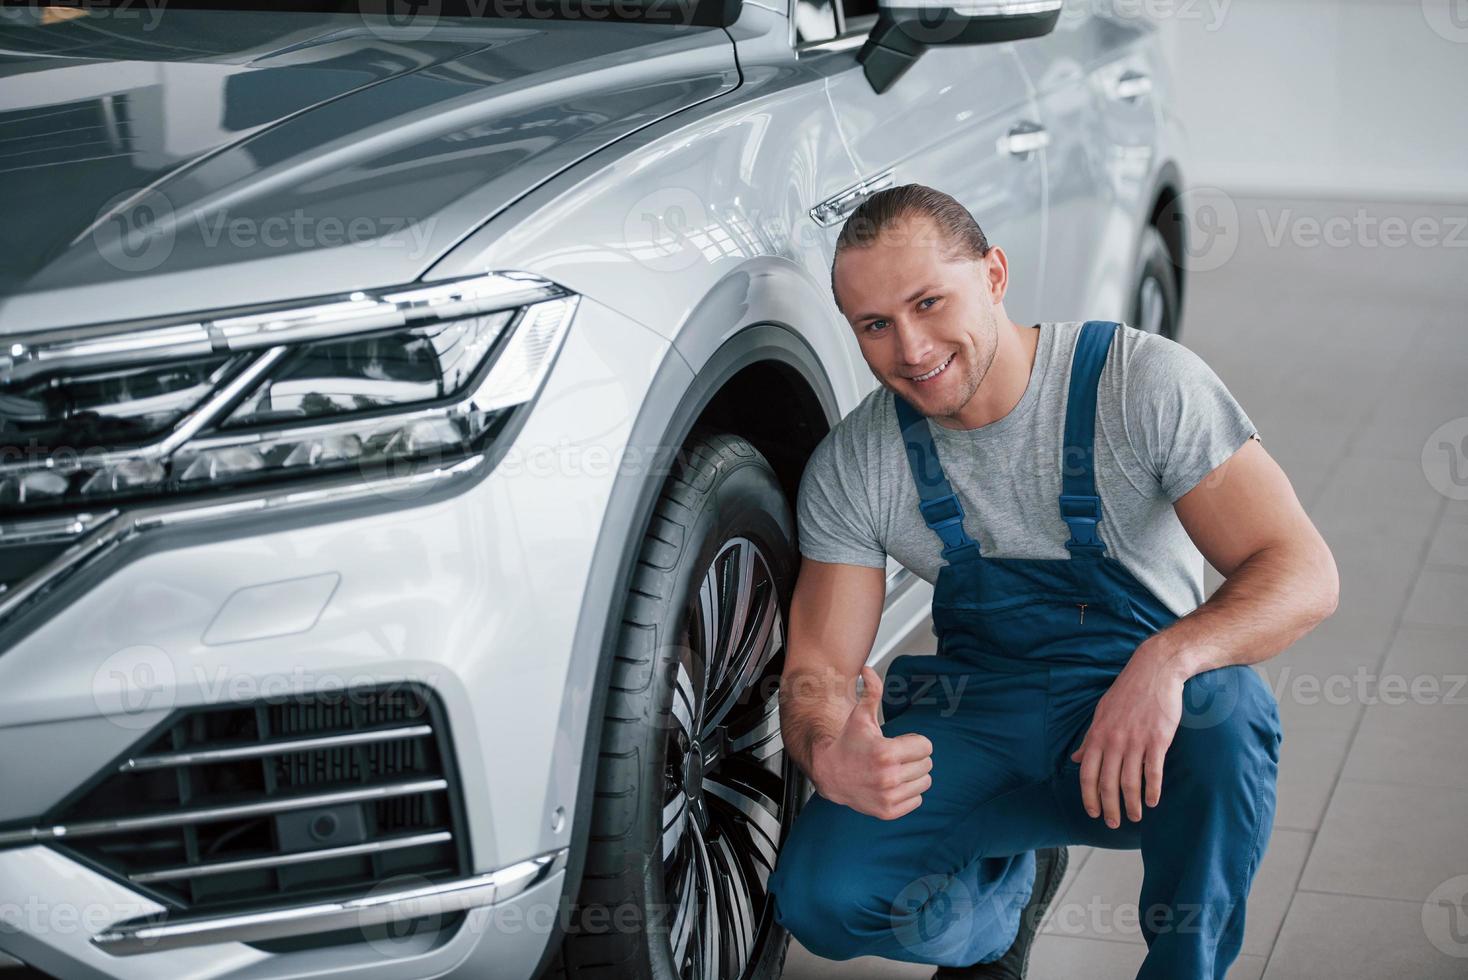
[1025,138]
[1131,86]
[838,206]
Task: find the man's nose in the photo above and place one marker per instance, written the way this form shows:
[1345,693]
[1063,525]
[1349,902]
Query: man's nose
[912,343]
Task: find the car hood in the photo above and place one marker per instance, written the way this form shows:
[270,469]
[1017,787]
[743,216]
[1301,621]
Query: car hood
[152,166]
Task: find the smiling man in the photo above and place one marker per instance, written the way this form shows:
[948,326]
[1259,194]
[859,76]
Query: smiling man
[1060,484]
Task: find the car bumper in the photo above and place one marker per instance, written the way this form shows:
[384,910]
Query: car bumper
[474,592]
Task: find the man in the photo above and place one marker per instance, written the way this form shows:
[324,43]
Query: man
[1060,484]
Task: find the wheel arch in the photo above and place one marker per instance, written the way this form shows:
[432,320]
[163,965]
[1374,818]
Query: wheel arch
[1162,213]
[795,407]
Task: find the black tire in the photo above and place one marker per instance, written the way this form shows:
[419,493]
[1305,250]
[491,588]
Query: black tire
[630,911]
[1156,306]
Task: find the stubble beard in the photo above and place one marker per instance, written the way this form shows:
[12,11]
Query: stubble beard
[974,372]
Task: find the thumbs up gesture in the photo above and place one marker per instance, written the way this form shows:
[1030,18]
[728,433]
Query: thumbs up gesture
[867,771]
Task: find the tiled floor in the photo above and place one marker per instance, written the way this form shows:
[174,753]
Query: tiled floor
[1348,359]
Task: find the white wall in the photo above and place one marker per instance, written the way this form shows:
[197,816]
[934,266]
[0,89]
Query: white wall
[1353,99]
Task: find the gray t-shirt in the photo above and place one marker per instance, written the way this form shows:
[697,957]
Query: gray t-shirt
[1164,421]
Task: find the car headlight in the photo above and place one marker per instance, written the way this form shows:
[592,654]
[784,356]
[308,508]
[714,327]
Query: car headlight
[116,412]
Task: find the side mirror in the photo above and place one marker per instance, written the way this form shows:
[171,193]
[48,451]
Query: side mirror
[905,28]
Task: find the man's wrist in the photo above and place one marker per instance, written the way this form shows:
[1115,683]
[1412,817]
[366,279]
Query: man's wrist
[1173,657]
[819,743]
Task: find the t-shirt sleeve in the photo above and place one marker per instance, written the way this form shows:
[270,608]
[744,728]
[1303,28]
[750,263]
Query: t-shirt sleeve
[833,518]
[1182,420]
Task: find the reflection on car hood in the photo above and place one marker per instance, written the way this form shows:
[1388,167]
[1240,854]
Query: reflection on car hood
[152,165]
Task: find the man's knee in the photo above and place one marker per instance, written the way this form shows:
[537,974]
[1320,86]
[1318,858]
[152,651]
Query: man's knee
[821,886]
[1229,730]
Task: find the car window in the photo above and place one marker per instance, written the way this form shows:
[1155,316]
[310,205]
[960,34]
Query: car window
[822,20]
[815,20]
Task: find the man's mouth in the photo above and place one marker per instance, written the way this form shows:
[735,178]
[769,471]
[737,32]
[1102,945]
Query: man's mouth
[923,378]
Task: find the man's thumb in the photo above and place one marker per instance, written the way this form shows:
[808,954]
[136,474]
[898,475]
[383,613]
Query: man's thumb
[871,695]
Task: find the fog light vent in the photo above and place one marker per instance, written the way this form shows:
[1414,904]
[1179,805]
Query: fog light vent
[246,805]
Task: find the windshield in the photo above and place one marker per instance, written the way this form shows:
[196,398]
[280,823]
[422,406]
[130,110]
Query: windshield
[413,15]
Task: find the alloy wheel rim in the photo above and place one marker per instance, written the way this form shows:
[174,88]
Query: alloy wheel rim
[726,772]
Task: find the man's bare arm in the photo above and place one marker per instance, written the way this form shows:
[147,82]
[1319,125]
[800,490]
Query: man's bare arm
[833,624]
[1280,579]
[835,737]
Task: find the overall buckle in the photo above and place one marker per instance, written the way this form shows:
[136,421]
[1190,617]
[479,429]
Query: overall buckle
[945,516]
[941,510]
[1082,512]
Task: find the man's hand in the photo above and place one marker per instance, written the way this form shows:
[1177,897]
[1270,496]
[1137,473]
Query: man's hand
[867,771]
[1134,724]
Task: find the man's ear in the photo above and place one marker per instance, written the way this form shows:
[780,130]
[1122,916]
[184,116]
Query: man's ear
[996,273]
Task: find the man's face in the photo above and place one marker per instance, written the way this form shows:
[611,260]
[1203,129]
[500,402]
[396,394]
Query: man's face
[914,310]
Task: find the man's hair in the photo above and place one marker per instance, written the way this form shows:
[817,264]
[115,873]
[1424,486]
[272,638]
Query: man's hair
[960,234]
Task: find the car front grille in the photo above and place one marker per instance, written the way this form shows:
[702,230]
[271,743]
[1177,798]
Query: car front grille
[253,805]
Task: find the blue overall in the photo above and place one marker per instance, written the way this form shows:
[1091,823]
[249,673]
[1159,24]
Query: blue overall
[1026,647]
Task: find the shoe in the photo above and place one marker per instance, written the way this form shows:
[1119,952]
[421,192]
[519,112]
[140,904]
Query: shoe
[1050,865]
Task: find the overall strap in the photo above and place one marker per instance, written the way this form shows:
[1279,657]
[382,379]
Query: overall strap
[940,506]
[1080,507]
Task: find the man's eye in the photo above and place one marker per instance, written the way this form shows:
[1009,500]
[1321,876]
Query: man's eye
[931,299]
[873,325]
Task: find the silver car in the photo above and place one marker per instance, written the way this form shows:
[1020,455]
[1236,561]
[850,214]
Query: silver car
[401,418]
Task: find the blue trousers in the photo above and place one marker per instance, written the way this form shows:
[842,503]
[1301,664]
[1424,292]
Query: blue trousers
[945,883]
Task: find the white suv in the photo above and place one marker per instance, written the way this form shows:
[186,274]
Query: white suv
[400,421]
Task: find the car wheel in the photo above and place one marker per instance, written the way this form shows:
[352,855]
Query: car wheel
[1155,306]
[694,792]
